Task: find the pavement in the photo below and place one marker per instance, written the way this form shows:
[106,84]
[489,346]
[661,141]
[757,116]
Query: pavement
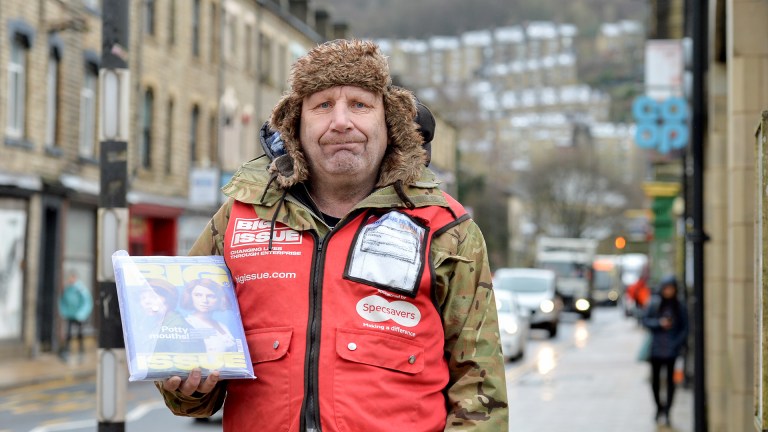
[47,368]
[590,380]
[598,387]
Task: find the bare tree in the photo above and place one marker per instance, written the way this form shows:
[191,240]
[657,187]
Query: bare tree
[571,196]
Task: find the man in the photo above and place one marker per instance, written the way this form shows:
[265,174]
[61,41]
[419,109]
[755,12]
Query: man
[365,292]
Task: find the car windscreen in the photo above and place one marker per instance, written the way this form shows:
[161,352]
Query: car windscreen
[603,280]
[523,283]
[565,269]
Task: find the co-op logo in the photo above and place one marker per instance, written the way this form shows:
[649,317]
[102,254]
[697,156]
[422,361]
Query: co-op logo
[661,125]
[377,309]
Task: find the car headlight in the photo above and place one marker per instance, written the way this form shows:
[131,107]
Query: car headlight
[547,306]
[582,304]
[511,327]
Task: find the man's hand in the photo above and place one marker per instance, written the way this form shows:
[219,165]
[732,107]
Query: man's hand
[194,383]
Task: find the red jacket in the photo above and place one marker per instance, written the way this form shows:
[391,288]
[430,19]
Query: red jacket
[343,333]
[639,292]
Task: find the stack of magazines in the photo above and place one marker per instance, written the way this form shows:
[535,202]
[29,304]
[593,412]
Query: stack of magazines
[180,313]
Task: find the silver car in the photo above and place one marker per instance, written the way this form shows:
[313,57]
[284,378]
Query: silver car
[536,291]
[513,325]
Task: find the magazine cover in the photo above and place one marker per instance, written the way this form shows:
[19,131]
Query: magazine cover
[178,313]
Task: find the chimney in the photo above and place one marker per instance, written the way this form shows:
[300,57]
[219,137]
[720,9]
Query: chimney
[340,30]
[323,23]
[300,9]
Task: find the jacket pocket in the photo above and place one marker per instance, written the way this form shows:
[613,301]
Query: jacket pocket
[376,349]
[265,402]
[373,374]
[268,344]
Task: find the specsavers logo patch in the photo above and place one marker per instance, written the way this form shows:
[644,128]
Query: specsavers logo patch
[377,309]
[257,231]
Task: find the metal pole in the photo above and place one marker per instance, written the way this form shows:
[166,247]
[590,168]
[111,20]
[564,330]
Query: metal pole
[112,235]
[700,58]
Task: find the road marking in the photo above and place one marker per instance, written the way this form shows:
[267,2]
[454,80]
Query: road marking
[135,414]
[142,410]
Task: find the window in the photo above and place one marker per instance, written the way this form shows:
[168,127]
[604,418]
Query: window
[232,27]
[169,138]
[149,17]
[145,149]
[265,59]
[87,143]
[282,66]
[172,23]
[196,28]
[194,127]
[213,54]
[213,140]
[53,100]
[248,47]
[17,88]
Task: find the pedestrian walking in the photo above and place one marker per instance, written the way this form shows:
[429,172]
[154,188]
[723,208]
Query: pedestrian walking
[365,290]
[75,306]
[666,317]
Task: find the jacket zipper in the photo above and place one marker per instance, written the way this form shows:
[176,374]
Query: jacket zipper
[310,416]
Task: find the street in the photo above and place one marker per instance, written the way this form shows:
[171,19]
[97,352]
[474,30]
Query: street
[585,379]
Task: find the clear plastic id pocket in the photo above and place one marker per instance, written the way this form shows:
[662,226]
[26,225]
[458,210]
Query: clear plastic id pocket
[388,253]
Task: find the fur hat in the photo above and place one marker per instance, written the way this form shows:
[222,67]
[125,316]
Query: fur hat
[348,63]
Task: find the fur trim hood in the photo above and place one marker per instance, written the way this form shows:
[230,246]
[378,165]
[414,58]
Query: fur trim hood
[348,63]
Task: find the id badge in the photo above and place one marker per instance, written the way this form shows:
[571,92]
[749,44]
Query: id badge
[388,253]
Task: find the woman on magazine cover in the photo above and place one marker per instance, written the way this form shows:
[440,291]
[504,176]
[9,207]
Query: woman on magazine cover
[204,298]
[159,300]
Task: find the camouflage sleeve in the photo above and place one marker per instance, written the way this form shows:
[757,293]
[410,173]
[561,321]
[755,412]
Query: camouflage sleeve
[477,392]
[197,405]
[210,242]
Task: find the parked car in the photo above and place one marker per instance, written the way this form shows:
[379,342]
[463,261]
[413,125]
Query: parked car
[536,290]
[513,325]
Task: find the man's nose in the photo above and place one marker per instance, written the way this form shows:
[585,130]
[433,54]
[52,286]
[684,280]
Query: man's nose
[340,119]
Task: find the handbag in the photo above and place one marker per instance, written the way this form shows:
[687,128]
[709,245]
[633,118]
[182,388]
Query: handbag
[644,353]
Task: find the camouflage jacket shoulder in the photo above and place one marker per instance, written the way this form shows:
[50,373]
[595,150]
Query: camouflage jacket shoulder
[476,393]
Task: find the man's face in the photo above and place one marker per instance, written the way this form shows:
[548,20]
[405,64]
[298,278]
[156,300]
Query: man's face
[344,133]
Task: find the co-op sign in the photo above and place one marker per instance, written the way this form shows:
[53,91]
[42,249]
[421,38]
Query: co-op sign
[661,114]
[661,125]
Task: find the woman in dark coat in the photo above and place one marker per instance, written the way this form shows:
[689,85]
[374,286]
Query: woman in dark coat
[666,317]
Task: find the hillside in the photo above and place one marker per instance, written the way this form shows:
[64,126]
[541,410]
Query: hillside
[424,18]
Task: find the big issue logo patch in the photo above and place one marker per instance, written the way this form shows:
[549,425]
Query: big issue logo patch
[249,232]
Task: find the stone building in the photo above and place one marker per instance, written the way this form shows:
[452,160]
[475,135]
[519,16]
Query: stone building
[204,76]
[734,284]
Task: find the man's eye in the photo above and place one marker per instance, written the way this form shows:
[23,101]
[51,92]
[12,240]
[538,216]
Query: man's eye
[359,105]
[325,105]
